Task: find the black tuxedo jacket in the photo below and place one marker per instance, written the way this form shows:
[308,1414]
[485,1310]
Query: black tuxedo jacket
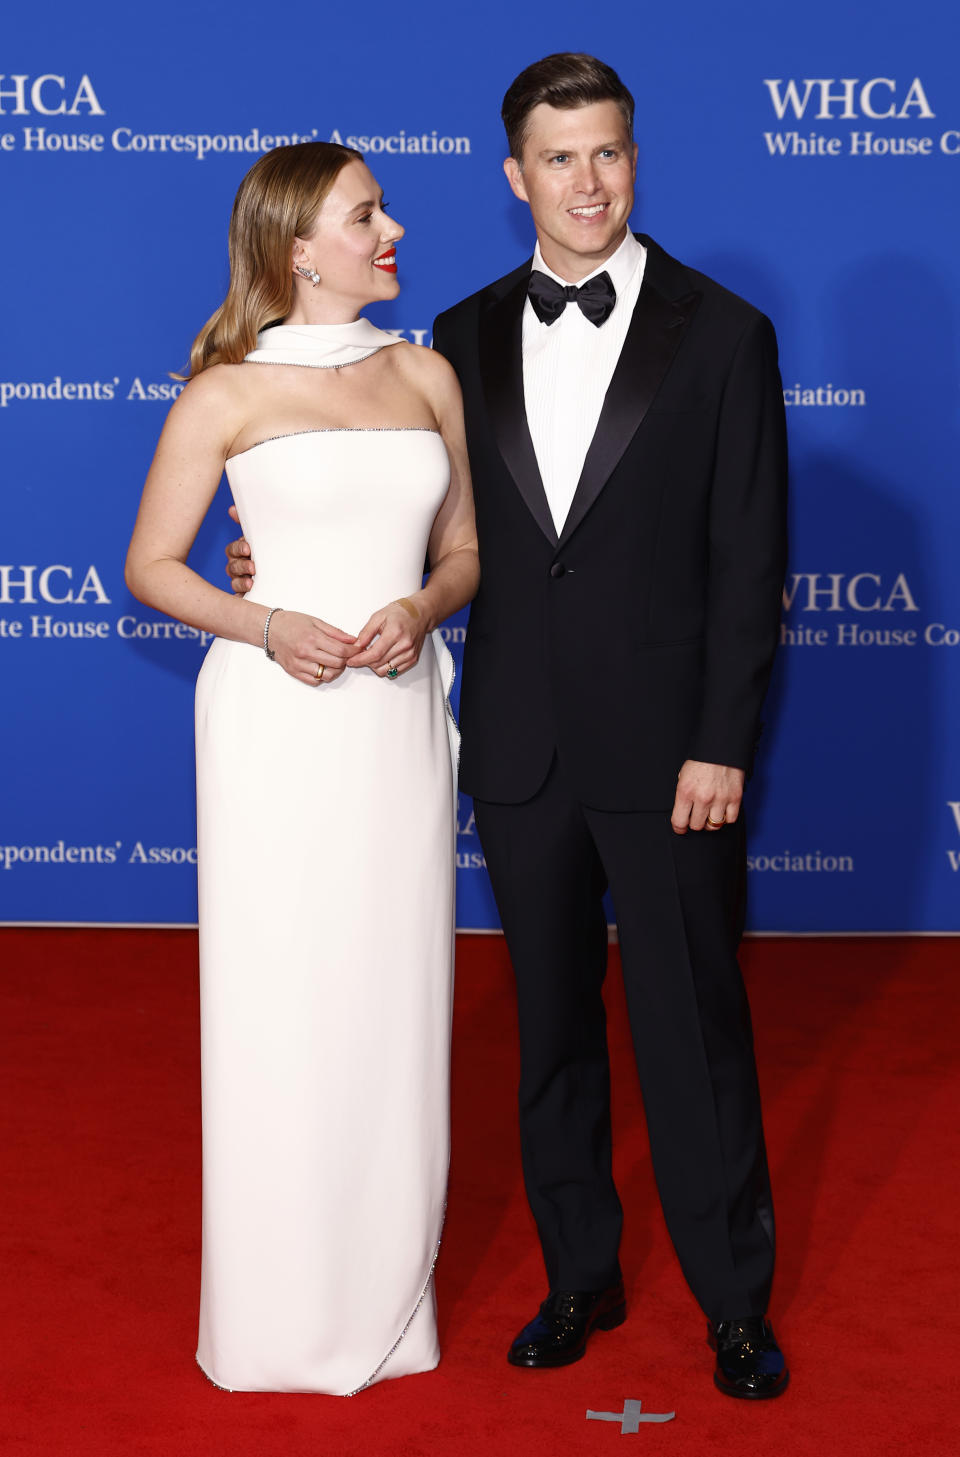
[644,634]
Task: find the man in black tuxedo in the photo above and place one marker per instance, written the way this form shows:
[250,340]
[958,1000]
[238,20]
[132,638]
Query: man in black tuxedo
[630,504]
[625,425]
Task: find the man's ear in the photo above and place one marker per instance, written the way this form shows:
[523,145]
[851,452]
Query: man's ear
[515,177]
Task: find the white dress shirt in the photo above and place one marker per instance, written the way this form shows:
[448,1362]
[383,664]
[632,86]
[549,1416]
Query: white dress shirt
[567,369]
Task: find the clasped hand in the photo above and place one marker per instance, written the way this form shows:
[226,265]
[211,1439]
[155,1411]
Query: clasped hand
[389,643]
[391,638]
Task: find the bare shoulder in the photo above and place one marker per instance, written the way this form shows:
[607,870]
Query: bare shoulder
[218,387]
[427,370]
[213,402]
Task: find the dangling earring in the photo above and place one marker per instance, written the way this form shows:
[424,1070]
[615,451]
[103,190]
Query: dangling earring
[310,273]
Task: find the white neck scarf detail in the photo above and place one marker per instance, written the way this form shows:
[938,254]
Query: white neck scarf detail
[322,346]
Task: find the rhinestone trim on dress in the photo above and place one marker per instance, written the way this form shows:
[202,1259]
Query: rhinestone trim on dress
[453,719]
[210,1378]
[423,1293]
[302,364]
[342,430]
[396,1345]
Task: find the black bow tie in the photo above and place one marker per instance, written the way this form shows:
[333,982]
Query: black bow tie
[595,298]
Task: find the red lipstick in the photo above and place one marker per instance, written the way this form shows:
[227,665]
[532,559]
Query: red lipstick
[387,261]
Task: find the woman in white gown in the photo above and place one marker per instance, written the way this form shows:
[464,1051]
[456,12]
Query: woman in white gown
[325,785]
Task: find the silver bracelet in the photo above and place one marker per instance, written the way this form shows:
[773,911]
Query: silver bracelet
[266,633]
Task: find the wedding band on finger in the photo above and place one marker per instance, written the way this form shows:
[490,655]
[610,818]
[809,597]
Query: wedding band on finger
[716,824]
[319,672]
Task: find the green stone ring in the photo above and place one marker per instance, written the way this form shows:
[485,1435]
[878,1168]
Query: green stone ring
[393,672]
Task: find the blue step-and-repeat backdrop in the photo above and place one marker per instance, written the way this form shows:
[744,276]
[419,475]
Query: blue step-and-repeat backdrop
[806,156]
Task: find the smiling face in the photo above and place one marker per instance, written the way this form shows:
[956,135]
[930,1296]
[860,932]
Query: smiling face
[351,246]
[577,177]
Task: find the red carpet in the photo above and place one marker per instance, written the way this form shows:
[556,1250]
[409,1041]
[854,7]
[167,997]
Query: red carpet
[101,1223]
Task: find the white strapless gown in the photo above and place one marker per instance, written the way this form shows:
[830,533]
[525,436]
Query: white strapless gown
[326,838]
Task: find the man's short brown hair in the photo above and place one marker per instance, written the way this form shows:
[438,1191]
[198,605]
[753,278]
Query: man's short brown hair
[565,80]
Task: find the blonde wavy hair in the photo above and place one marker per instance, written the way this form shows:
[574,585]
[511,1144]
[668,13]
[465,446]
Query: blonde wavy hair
[277,201]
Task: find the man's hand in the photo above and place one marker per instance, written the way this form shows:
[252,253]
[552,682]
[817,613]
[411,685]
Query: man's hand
[708,796]
[240,566]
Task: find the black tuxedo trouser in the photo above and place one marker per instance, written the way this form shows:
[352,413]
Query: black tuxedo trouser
[679,905]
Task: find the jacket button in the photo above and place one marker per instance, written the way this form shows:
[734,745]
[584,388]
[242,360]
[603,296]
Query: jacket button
[558,569]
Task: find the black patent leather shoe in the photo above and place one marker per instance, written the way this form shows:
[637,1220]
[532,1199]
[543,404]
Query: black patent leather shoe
[558,1335]
[750,1364]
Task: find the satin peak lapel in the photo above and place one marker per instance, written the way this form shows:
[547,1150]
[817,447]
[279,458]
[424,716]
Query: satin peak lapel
[656,332]
[501,370]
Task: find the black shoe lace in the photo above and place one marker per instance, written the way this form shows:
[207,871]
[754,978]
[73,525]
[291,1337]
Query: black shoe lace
[753,1331]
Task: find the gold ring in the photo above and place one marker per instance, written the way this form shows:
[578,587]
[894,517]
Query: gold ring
[319,671]
[715,824]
